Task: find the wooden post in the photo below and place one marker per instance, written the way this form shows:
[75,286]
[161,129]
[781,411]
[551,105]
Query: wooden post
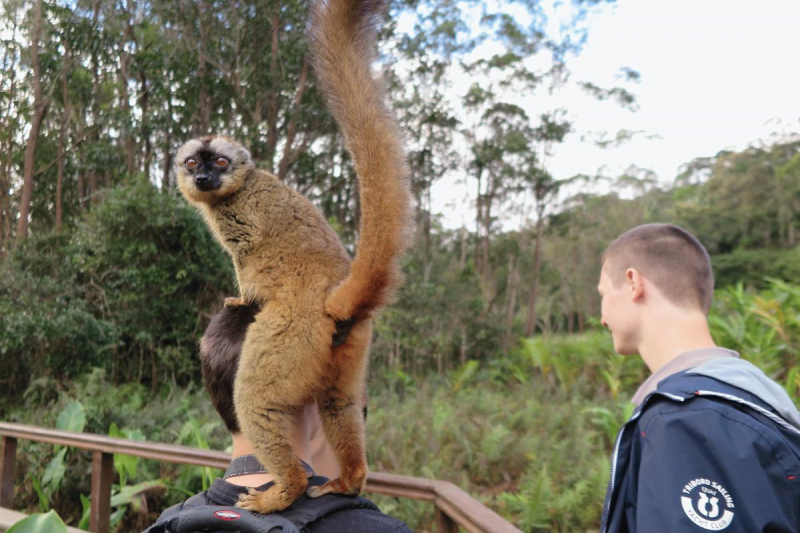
[7,472]
[102,476]
[444,524]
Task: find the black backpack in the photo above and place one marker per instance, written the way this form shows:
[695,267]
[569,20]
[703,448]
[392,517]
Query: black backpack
[193,516]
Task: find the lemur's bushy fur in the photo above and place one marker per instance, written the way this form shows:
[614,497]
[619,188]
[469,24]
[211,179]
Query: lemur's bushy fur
[291,263]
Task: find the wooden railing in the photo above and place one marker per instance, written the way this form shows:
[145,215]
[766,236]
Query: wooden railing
[454,508]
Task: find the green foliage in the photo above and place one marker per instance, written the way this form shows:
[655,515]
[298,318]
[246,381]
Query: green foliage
[591,356]
[438,319]
[196,435]
[126,293]
[764,327]
[39,523]
[493,439]
[125,465]
[72,418]
[46,325]
[753,267]
[529,433]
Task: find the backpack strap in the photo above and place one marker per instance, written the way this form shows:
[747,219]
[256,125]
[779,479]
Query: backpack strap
[195,515]
[214,518]
[308,510]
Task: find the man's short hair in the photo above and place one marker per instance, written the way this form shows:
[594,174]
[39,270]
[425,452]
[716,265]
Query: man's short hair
[220,349]
[670,257]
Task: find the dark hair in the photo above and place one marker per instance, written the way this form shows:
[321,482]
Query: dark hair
[669,256]
[220,349]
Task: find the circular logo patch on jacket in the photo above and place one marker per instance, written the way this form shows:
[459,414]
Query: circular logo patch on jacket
[707,504]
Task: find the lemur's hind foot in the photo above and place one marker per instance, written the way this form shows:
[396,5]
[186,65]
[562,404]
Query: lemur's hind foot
[276,498]
[349,486]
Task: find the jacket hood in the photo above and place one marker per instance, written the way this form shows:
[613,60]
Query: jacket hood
[746,376]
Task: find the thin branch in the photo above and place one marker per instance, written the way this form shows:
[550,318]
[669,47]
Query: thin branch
[55,161]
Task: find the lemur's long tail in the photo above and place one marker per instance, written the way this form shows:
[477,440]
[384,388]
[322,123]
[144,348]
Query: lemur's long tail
[343,43]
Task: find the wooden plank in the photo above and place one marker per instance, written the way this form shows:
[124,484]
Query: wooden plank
[9,517]
[468,512]
[444,524]
[400,492]
[170,453]
[8,469]
[454,506]
[102,477]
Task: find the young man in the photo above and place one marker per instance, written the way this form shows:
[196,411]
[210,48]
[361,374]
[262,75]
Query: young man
[713,443]
[219,354]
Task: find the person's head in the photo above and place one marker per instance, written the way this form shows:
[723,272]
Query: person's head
[220,349]
[648,270]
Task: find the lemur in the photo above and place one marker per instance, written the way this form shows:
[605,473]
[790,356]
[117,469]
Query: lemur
[291,263]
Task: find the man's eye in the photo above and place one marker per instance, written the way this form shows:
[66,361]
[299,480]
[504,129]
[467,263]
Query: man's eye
[191,163]
[222,162]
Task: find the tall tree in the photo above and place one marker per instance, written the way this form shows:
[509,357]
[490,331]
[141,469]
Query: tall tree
[40,103]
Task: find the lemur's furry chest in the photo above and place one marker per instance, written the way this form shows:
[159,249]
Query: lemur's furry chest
[276,236]
[236,230]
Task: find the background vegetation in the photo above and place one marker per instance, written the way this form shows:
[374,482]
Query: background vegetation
[490,371]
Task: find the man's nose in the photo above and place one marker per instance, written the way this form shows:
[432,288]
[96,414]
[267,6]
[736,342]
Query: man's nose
[603,321]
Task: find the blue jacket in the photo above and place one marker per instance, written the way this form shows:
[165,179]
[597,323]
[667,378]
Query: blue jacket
[714,448]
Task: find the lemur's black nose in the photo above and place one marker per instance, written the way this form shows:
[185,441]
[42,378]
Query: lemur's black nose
[202,179]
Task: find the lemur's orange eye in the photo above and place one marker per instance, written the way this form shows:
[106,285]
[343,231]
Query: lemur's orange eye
[191,163]
[222,162]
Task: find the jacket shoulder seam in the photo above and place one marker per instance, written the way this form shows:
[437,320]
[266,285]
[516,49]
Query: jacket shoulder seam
[720,411]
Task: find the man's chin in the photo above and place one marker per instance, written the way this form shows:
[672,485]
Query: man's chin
[624,349]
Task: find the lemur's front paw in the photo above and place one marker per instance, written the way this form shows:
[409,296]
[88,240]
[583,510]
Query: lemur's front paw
[234,302]
[262,502]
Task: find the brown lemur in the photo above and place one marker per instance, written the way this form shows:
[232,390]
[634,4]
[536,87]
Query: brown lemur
[291,263]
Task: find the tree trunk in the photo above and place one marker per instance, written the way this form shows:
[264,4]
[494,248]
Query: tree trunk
[81,166]
[202,74]
[427,254]
[61,159]
[478,218]
[288,153]
[272,105]
[145,104]
[462,350]
[487,279]
[124,62]
[462,261]
[39,110]
[530,324]
[95,106]
[5,171]
[167,166]
[511,299]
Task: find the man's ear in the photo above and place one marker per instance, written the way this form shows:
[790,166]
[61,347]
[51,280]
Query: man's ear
[635,284]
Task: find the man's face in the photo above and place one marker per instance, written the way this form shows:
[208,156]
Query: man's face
[620,314]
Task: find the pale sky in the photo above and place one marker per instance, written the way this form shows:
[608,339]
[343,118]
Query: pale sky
[715,74]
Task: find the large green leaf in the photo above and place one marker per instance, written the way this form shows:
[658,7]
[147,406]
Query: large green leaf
[39,523]
[55,470]
[130,494]
[72,418]
[125,465]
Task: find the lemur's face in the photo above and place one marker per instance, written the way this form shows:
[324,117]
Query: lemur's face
[211,168]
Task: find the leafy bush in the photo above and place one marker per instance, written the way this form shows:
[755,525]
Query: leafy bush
[130,292]
[764,327]
[754,267]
